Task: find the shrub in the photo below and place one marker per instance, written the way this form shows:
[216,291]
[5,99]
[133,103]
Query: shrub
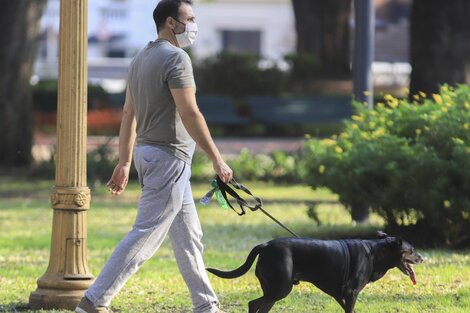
[238,75]
[305,67]
[45,96]
[410,162]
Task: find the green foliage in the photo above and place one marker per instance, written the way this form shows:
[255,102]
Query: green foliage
[238,75]
[45,95]
[277,166]
[305,67]
[410,162]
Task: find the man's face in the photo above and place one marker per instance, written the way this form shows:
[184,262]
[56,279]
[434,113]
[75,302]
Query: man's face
[186,15]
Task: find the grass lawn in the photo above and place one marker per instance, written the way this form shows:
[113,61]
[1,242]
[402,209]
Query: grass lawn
[25,222]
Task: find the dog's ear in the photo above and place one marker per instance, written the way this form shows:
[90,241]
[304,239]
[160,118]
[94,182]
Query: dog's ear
[381,235]
[395,241]
[399,241]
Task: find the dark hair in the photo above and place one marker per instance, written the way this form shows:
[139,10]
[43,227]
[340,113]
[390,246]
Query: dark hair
[166,8]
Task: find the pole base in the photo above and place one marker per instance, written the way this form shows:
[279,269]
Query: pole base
[58,293]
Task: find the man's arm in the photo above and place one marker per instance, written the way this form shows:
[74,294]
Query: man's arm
[195,124]
[120,178]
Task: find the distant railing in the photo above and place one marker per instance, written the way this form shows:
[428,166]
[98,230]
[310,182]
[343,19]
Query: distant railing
[98,68]
[384,73]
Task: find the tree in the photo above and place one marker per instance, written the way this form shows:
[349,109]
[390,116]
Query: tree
[323,31]
[440,44]
[19,22]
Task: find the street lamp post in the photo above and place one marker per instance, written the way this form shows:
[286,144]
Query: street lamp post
[364,51]
[67,276]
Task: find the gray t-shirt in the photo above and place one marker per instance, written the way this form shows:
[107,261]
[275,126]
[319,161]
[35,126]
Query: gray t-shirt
[155,69]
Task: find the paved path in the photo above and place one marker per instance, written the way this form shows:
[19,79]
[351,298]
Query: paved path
[43,145]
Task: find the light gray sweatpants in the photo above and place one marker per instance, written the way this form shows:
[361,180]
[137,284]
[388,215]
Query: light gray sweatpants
[166,206]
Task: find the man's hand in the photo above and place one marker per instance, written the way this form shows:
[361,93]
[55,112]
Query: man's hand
[223,170]
[119,180]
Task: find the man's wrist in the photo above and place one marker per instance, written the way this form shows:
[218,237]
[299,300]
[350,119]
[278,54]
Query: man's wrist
[124,163]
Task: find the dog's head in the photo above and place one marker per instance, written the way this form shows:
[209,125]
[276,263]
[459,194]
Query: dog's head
[408,255]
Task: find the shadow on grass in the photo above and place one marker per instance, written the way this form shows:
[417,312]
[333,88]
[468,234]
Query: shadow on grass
[15,307]
[306,230]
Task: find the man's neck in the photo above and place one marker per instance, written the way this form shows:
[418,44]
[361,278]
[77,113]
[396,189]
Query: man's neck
[170,37]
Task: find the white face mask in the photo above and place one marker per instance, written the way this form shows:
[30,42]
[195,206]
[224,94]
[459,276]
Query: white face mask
[187,37]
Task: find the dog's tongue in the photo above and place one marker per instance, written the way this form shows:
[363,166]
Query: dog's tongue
[412,275]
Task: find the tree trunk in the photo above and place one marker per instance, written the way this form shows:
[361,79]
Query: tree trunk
[19,24]
[440,44]
[323,30]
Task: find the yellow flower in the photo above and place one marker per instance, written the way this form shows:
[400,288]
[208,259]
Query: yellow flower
[357,118]
[338,149]
[379,132]
[416,97]
[321,169]
[389,97]
[329,142]
[437,98]
[307,136]
[466,105]
[418,131]
[406,91]
[367,93]
[422,94]
[393,103]
[365,136]
[465,215]
[447,204]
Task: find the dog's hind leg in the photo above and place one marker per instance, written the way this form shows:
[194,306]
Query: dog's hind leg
[256,305]
[267,307]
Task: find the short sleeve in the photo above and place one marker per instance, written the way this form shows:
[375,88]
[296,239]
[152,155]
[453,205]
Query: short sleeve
[180,71]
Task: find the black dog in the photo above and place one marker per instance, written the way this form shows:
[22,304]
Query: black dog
[341,268]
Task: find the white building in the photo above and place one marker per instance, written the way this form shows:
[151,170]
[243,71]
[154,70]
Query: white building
[119,28]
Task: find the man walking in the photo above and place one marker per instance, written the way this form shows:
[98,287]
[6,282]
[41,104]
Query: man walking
[161,116]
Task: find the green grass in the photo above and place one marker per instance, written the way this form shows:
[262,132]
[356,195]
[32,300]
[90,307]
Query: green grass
[25,222]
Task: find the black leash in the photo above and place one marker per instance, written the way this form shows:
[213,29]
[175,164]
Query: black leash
[226,189]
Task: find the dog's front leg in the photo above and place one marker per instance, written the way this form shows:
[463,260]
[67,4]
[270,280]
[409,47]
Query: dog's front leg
[350,301]
[341,302]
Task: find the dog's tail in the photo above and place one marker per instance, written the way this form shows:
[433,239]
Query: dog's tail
[242,269]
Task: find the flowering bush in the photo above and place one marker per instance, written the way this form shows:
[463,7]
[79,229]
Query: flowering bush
[408,161]
[277,166]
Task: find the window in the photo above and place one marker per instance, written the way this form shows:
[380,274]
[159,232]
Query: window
[242,41]
[114,13]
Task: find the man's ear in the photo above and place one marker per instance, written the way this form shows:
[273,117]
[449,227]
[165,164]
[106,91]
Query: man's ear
[170,22]
[381,235]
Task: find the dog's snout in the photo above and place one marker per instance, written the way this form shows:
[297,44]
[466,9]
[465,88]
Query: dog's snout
[418,259]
